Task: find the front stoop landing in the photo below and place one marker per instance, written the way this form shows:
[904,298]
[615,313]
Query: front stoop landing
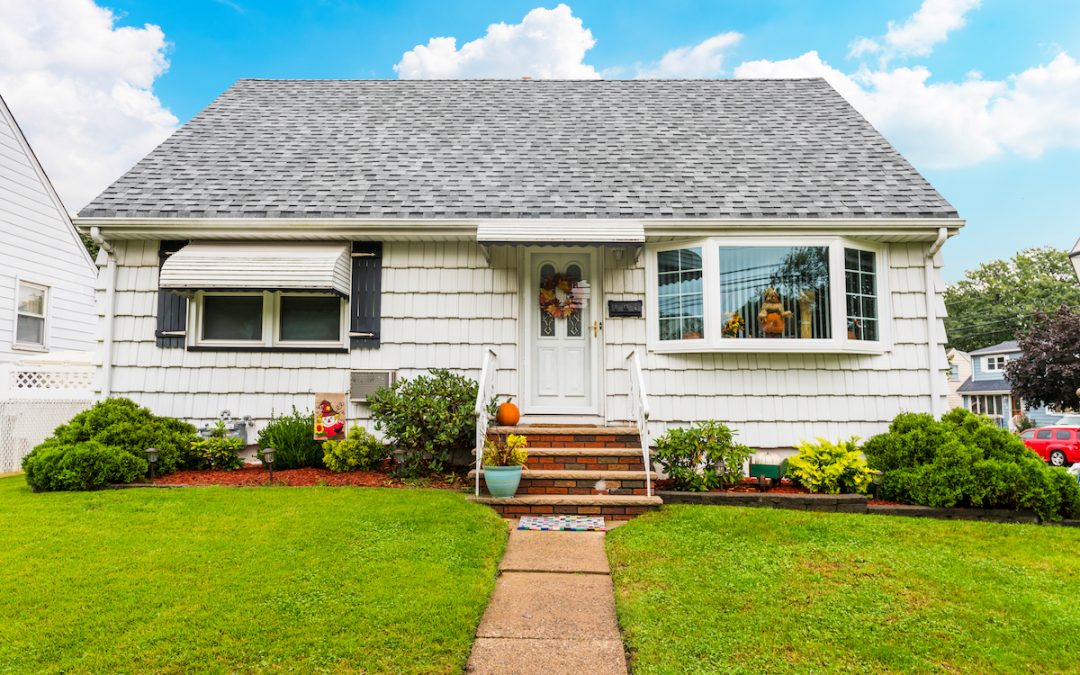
[577,470]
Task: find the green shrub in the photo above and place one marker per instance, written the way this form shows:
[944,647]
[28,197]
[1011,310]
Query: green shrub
[427,418]
[292,436]
[219,453]
[701,457]
[120,423]
[360,451]
[967,460]
[829,467]
[88,465]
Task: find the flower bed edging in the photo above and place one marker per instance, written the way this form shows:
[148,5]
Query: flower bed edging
[954,513]
[846,503]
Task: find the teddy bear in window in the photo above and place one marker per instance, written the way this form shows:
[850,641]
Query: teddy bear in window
[773,316]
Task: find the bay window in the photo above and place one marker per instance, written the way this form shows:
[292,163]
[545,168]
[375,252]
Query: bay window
[269,320]
[756,294]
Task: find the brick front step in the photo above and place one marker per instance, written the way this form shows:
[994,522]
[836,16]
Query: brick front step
[544,482]
[541,436]
[610,506]
[585,459]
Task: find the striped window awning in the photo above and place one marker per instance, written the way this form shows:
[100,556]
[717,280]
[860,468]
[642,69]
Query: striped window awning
[611,232]
[282,266]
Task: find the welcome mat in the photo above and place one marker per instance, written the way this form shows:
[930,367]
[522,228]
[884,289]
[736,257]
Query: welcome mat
[560,523]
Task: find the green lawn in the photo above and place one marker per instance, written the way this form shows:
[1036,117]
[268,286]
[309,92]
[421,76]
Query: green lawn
[722,589]
[240,580]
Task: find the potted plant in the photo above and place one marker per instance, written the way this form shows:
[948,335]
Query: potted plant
[503,459]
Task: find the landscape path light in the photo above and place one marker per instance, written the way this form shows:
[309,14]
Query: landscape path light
[268,460]
[151,460]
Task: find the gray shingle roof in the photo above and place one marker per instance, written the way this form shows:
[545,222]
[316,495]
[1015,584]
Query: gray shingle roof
[983,386]
[517,149]
[999,348]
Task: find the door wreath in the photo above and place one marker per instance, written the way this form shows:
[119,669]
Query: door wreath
[557,296]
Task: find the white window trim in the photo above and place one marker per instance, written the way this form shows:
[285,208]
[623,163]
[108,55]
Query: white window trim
[995,358]
[271,324]
[30,346]
[713,319]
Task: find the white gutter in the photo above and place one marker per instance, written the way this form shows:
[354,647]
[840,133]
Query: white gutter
[931,321]
[110,311]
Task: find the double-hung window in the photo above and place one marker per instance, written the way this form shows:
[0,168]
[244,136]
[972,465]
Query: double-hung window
[996,363]
[741,294]
[30,312]
[270,320]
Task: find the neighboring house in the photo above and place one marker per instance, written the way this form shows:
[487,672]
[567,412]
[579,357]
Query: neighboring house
[959,372]
[46,276]
[47,316]
[296,232]
[988,392]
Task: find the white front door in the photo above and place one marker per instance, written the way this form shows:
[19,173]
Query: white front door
[562,368]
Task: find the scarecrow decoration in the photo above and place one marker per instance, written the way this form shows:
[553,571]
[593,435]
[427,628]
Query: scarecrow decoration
[329,417]
[773,316]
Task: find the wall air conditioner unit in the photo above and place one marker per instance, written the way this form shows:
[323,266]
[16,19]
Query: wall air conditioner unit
[364,383]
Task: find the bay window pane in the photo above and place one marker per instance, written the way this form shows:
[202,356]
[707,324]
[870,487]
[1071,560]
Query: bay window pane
[232,317]
[778,292]
[680,294]
[860,282]
[310,318]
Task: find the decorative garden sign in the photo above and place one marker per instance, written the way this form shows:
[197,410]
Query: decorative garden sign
[329,417]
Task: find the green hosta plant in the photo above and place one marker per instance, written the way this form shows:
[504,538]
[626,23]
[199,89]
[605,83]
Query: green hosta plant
[830,467]
[701,457]
[360,451]
[508,451]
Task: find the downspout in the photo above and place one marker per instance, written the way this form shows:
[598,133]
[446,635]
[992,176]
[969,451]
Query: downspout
[110,310]
[931,320]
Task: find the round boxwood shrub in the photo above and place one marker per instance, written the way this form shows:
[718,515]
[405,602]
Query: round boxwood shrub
[122,424]
[966,460]
[292,436]
[88,465]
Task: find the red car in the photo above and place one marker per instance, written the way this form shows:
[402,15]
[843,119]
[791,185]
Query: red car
[1059,446]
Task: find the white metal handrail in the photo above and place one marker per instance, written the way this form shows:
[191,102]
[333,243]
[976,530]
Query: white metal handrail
[639,409]
[484,393]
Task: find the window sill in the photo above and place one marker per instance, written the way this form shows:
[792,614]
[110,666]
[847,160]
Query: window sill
[685,347]
[39,349]
[283,350]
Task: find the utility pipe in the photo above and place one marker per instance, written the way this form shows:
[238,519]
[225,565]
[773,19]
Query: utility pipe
[110,310]
[931,320]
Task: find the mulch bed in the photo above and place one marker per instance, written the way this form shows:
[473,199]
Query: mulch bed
[254,475]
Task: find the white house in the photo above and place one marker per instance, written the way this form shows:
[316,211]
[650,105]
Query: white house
[46,276]
[306,236]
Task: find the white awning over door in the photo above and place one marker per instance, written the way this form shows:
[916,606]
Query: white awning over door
[281,266]
[611,232]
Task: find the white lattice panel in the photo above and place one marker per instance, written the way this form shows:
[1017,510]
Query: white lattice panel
[66,380]
[26,422]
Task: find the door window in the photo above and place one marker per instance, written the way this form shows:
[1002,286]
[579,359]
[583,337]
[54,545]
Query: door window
[1043,434]
[1062,435]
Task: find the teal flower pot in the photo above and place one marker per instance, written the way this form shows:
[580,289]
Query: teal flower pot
[502,481]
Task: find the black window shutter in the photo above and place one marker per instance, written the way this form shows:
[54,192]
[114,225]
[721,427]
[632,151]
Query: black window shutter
[171,308]
[365,305]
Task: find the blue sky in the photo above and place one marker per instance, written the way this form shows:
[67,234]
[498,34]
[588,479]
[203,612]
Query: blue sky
[1015,188]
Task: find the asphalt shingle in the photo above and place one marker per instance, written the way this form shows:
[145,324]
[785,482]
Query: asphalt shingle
[524,149]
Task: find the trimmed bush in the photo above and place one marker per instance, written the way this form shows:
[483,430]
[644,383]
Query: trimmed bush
[360,451]
[219,453]
[293,438]
[966,460]
[427,418]
[701,457]
[829,467]
[120,423]
[88,465]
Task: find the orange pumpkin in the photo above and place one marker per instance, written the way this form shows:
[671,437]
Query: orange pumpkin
[507,414]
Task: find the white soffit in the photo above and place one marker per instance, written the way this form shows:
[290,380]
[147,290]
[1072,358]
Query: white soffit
[284,266]
[570,231]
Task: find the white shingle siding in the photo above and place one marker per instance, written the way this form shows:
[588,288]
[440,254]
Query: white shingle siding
[443,305]
[38,245]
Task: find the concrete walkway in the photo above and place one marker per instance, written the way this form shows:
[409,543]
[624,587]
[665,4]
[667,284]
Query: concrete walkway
[553,610]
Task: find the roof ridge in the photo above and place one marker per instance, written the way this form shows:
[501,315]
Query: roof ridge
[531,81]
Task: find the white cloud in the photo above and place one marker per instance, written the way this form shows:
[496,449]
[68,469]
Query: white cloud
[547,44]
[951,124]
[705,59]
[917,36]
[82,90]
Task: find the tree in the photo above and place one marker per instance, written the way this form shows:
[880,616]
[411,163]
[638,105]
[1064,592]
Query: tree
[1048,370]
[998,298]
